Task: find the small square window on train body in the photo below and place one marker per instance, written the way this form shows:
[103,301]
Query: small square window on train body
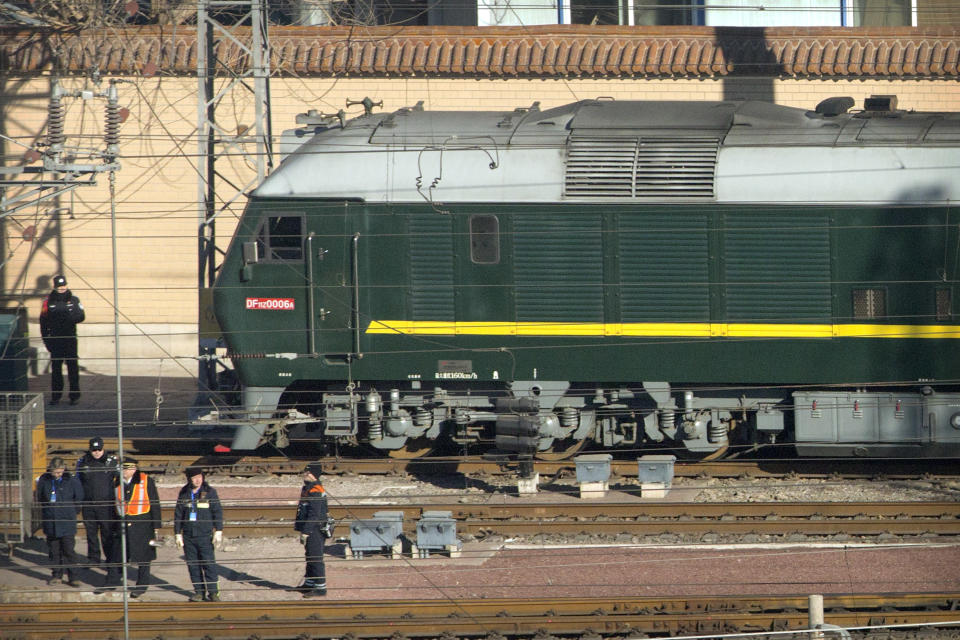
[484,239]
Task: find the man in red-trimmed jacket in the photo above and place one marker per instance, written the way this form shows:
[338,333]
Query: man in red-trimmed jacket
[59,317]
[312,525]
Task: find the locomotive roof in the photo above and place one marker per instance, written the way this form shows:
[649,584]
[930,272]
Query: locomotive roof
[581,149]
[736,122]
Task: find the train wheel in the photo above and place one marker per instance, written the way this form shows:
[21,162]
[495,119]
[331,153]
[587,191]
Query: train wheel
[415,448]
[562,450]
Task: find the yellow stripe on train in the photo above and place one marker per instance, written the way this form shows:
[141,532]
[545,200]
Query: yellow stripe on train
[662,329]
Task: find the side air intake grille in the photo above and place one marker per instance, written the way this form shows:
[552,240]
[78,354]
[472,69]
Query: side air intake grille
[641,169]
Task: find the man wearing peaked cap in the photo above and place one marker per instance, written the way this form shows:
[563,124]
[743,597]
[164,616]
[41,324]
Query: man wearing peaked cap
[138,501]
[198,529]
[96,469]
[59,317]
[311,523]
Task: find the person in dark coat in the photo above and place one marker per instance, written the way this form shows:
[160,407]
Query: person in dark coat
[59,317]
[312,524]
[96,470]
[138,501]
[60,495]
[198,528]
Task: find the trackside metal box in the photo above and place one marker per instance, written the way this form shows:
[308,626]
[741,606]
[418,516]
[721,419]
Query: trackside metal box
[437,531]
[377,533]
[656,469]
[594,467]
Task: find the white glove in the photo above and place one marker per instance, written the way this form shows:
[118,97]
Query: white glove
[217,537]
[179,540]
[303,538]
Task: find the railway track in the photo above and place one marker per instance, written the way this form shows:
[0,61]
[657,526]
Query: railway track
[650,520]
[586,617]
[249,465]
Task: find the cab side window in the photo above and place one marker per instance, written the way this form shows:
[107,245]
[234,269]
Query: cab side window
[280,239]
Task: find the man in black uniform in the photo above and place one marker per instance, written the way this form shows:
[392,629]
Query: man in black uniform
[61,314]
[96,470]
[59,496]
[312,525]
[137,499]
[198,527]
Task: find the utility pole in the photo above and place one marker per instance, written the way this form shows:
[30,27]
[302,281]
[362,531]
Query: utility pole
[214,193]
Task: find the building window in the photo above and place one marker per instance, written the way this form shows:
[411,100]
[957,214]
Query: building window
[281,239]
[944,304]
[484,239]
[869,304]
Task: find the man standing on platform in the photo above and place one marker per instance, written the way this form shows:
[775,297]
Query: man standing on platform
[198,527]
[312,525]
[138,501]
[60,495]
[96,470]
[59,317]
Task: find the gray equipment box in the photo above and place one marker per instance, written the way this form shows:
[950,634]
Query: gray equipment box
[437,531]
[594,467]
[379,533]
[656,469]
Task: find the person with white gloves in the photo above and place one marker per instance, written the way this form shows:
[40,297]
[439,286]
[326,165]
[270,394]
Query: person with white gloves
[198,529]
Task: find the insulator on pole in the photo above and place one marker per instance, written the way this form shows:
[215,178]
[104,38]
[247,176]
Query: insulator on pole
[111,130]
[55,119]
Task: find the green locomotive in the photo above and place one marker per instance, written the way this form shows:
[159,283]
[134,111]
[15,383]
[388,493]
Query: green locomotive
[701,276]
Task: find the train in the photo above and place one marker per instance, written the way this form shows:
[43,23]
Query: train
[707,278]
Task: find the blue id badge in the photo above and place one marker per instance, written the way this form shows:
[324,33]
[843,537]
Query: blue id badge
[193,516]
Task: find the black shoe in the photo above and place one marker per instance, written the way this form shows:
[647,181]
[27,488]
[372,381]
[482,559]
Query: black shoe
[196,597]
[315,593]
[136,594]
[213,597]
[73,583]
[55,580]
[74,401]
[104,589]
[304,588]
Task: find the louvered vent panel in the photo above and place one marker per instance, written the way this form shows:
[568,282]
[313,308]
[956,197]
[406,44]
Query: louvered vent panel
[669,169]
[600,168]
[558,266]
[431,267]
[664,269]
[641,169]
[777,267]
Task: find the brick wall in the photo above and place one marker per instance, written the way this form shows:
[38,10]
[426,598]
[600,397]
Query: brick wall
[157,186]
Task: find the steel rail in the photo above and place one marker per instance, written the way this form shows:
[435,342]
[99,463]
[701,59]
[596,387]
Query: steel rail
[227,464]
[467,617]
[648,519]
[774,518]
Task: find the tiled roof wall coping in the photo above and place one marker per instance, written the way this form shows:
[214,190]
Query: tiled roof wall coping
[540,51]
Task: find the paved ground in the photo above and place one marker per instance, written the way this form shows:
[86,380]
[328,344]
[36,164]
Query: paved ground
[266,569]
[263,569]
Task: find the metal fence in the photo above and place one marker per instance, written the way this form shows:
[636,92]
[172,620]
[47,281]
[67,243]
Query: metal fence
[22,458]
